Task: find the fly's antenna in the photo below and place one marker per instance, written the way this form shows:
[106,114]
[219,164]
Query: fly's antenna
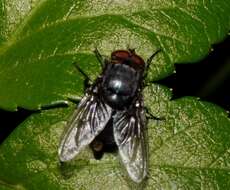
[132,50]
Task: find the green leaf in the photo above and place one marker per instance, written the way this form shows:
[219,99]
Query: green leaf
[12,14]
[189,149]
[41,39]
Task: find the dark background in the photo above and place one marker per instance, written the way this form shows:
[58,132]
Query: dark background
[208,79]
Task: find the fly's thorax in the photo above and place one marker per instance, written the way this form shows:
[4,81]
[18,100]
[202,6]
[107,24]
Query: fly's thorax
[120,84]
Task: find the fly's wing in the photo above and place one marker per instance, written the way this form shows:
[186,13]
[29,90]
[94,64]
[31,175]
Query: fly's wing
[87,122]
[129,134]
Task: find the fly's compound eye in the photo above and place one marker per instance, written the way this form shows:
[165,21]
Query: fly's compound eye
[129,58]
[120,54]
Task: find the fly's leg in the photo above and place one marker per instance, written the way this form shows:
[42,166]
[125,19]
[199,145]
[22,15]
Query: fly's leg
[87,79]
[99,57]
[150,116]
[149,61]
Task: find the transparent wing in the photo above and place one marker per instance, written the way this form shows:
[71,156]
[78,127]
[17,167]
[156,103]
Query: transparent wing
[87,122]
[129,134]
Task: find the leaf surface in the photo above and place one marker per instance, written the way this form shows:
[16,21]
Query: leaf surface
[40,40]
[188,148]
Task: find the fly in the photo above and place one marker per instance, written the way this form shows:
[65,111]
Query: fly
[111,115]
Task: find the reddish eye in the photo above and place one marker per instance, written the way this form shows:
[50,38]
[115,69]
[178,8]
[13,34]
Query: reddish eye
[137,60]
[121,54]
[128,57]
